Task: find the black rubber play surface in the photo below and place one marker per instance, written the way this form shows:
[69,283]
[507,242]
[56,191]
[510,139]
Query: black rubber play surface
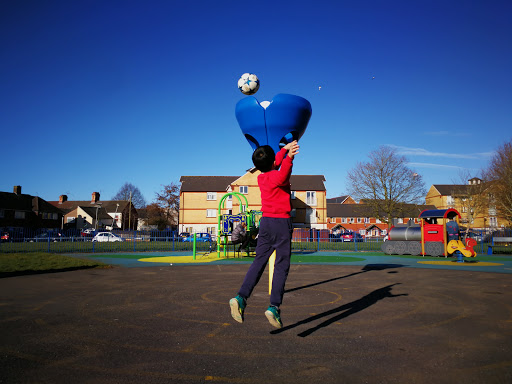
[375,323]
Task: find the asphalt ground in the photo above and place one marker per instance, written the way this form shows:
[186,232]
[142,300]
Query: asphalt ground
[371,323]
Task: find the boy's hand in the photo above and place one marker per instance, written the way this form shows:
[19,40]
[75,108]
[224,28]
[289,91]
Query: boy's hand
[289,145]
[293,150]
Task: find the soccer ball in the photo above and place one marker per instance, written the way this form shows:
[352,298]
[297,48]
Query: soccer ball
[248,84]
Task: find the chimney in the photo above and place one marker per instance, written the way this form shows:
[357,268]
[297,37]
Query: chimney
[17,189]
[63,199]
[95,197]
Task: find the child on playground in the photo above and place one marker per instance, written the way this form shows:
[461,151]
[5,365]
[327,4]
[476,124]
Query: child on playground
[275,229]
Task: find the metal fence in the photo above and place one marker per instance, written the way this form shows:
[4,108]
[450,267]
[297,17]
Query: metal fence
[73,241]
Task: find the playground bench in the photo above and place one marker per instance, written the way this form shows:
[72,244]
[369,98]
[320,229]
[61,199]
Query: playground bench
[498,241]
[502,239]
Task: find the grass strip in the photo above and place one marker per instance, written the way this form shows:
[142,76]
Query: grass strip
[39,262]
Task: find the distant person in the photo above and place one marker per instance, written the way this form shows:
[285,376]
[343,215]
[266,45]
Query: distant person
[452,229]
[275,232]
[240,236]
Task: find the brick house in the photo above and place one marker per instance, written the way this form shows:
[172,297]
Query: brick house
[200,197]
[19,211]
[116,214]
[351,216]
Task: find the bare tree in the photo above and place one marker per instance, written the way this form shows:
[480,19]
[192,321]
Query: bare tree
[499,175]
[129,191]
[385,184]
[169,201]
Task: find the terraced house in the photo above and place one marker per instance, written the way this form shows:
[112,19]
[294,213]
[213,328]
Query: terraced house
[345,214]
[19,211]
[200,197]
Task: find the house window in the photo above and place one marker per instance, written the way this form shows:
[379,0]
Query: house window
[377,221]
[211,230]
[311,198]
[19,215]
[70,219]
[366,220]
[211,195]
[400,220]
[343,220]
[243,189]
[292,194]
[211,213]
[188,229]
[244,208]
[449,200]
[362,232]
[359,220]
[351,220]
[383,232]
[333,220]
[493,222]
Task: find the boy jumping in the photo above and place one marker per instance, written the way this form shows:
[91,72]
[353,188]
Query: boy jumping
[275,229]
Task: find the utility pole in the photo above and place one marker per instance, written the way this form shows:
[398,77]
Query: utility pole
[130,213]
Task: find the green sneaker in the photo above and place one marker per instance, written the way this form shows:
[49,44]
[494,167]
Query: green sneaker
[237,305]
[274,316]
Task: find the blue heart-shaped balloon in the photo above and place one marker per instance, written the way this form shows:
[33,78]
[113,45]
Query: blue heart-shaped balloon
[285,119]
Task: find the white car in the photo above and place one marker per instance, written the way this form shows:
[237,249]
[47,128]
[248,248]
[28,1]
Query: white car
[107,236]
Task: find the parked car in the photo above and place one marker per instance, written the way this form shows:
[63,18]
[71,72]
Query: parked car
[473,235]
[203,237]
[89,232]
[5,237]
[352,236]
[47,236]
[107,237]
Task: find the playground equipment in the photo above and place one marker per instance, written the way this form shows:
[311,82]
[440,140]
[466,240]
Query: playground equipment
[227,221]
[429,238]
[274,123]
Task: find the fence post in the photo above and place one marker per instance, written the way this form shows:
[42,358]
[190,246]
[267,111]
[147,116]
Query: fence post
[318,240]
[355,241]
[49,242]
[134,239]
[194,246]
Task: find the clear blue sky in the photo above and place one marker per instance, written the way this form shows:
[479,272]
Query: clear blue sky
[97,93]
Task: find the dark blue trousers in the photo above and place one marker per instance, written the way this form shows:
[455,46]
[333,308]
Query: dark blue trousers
[274,234]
